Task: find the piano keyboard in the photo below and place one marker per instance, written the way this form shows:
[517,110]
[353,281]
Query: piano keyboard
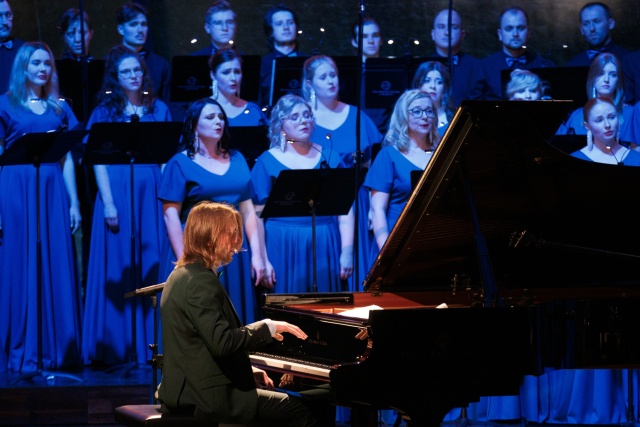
[290,365]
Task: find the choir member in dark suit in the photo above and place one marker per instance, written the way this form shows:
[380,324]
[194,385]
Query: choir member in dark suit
[464,65]
[8,45]
[220,24]
[596,24]
[206,370]
[133,26]
[513,33]
[71,31]
[281,29]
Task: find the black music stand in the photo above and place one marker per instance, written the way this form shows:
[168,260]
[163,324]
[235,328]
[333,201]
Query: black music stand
[311,192]
[35,149]
[156,359]
[121,143]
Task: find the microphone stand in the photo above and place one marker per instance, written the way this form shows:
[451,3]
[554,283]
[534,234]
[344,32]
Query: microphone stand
[358,153]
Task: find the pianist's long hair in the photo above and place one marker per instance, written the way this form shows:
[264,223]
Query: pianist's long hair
[398,133]
[212,235]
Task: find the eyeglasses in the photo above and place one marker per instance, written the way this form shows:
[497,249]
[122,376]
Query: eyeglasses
[228,23]
[7,15]
[417,113]
[297,118]
[127,74]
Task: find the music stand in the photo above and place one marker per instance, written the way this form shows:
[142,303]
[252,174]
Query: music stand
[121,143]
[311,192]
[34,149]
[156,359]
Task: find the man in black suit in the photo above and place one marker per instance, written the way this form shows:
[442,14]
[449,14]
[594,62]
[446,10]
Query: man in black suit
[133,26]
[596,24]
[8,45]
[206,370]
[513,33]
[220,24]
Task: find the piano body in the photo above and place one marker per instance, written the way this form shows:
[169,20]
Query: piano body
[534,253]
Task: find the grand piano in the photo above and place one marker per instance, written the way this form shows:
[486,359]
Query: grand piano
[511,258]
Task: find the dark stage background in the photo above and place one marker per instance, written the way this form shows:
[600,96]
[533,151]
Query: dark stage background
[173,24]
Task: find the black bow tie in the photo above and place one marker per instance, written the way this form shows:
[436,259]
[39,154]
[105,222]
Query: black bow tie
[519,60]
[593,53]
[7,44]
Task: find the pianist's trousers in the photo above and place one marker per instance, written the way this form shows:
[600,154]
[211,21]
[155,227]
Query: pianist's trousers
[282,409]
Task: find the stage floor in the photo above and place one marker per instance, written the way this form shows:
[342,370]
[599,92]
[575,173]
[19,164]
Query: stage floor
[80,398]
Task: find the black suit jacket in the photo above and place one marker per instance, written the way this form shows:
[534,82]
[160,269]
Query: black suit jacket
[206,369]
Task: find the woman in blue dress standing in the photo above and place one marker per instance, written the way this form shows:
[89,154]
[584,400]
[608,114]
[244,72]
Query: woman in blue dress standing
[126,96]
[32,104]
[226,78]
[408,145]
[335,130]
[604,79]
[289,240]
[208,170]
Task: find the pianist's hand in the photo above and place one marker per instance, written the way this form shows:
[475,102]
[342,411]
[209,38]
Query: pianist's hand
[287,327]
[262,379]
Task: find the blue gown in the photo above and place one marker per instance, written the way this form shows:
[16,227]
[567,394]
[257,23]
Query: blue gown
[251,116]
[61,303]
[186,182]
[106,337]
[289,240]
[343,142]
[391,173]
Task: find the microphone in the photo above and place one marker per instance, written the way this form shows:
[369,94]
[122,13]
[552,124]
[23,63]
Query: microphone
[324,164]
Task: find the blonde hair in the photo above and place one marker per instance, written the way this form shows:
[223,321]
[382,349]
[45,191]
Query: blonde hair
[398,133]
[18,89]
[523,79]
[212,234]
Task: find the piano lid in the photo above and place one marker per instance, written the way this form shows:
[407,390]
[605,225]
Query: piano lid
[500,207]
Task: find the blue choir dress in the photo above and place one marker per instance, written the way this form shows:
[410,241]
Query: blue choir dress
[391,173]
[289,240]
[61,303]
[251,116]
[186,182]
[342,141]
[107,334]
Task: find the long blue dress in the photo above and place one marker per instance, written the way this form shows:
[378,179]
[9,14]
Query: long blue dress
[343,141]
[289,240]
[61,303]
[186,182]
[251,116]
[107,334]
[391,173]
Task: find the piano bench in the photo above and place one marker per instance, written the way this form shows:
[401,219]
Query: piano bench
[150,416]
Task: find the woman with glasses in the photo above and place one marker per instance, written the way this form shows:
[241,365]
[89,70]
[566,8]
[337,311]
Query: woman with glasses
[226,78]
[207,169]
[408,146]
[433,77]
[289,240]
[335,130]
[126,96]
[33,105]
